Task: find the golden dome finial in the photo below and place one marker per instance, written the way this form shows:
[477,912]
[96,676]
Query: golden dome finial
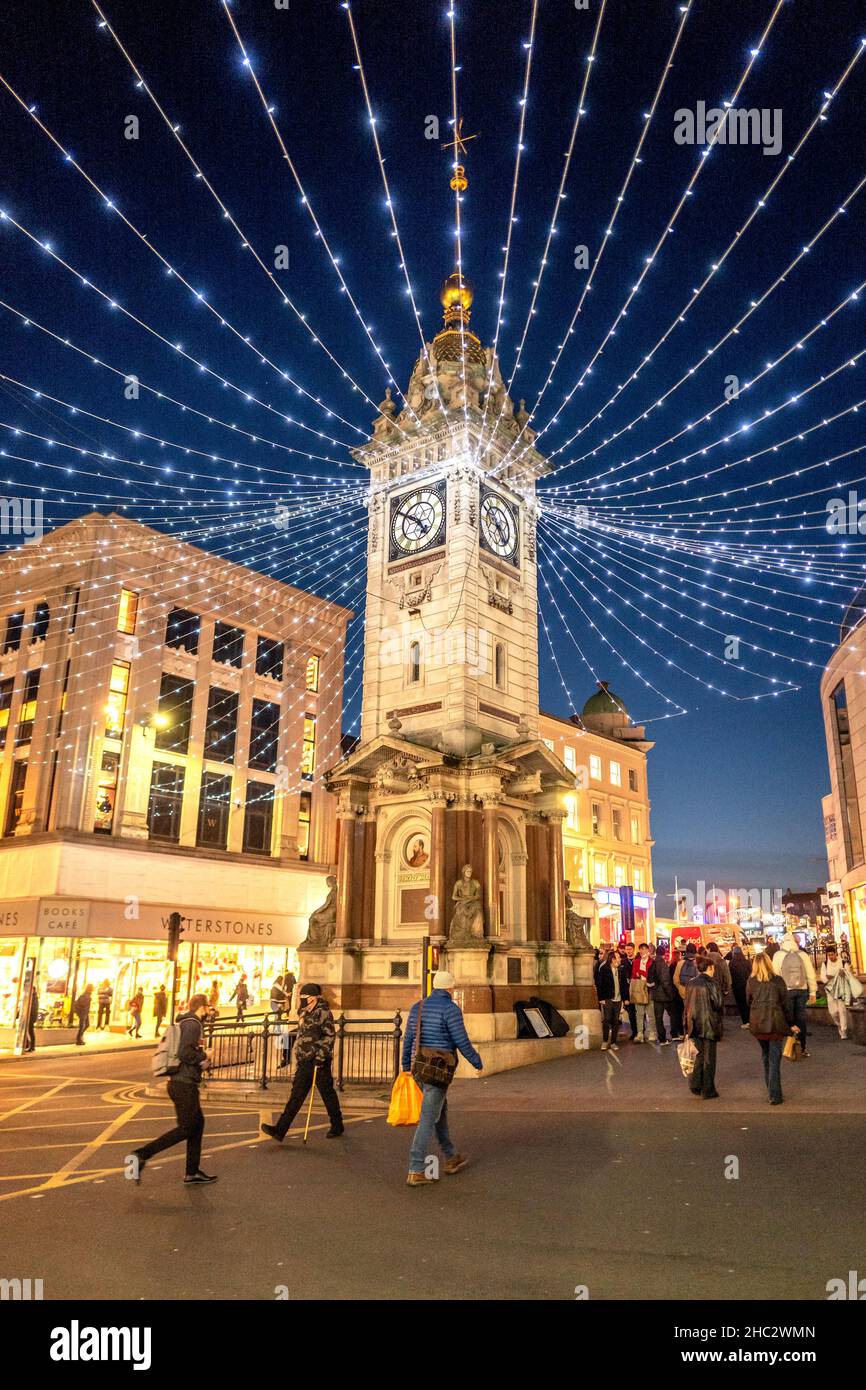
[456,297]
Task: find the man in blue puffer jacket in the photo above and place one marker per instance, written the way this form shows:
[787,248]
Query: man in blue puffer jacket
[442,1027]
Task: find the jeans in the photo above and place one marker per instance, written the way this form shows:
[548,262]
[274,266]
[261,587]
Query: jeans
[190,1126]
[434,1115]
[610,1013]
[301,1087]
[799,999]
[83,1022]
[772,1055]
[644,1013]
[703,1082]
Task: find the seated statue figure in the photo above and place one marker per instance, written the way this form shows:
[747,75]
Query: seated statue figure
[467,924]
[575,931]
[322,925]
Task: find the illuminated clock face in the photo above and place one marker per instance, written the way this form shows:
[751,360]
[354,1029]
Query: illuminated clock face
[499,533]
[417,521]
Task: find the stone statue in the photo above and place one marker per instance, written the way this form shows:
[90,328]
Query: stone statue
[467,924]
[575,931]
[322,926]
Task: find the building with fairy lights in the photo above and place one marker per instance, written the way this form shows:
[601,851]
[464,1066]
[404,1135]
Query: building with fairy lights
[843,702]
[164,719]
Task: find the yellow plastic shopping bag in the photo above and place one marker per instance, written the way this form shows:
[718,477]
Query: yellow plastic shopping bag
[405,1107]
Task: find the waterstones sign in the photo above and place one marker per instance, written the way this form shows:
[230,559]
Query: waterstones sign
[133,920]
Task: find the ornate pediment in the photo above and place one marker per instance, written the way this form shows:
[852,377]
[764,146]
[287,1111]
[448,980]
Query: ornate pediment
[387,761]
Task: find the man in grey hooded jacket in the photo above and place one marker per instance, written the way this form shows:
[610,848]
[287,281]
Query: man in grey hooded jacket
[798,972]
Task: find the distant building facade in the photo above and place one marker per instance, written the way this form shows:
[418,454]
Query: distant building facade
[164,719]
[607,845]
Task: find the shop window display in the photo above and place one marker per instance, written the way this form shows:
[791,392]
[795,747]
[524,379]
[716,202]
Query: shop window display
[215,971]
[11,966]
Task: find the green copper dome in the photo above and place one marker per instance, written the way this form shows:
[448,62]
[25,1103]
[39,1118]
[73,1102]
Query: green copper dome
[604,701]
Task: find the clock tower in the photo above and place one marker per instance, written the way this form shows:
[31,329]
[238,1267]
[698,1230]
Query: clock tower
[450,806]
[452,608]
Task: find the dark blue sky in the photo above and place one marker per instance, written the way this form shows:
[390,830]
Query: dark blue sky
[735,783]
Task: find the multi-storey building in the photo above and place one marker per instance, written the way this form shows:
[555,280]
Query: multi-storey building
[607,848]
[843,701]
[164,718]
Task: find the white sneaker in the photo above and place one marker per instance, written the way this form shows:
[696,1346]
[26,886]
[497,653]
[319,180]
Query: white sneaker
[614,1047]
[605,1046]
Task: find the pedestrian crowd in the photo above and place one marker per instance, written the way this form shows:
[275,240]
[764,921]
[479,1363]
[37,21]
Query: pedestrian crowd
[681,999]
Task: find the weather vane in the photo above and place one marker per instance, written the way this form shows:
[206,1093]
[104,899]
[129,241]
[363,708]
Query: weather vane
[459,181]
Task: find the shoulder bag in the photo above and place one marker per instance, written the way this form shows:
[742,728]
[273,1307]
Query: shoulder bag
[432,1066]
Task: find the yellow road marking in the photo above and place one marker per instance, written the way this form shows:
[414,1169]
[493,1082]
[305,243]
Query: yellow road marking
[78,1080]
[91,1148]
[43,1095]
[70,1182]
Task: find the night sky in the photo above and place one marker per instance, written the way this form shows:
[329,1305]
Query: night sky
[735,782]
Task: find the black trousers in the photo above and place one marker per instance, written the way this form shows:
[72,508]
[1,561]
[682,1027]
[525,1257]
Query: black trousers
[659,1011]
[703,1080]
[742,1003]
[103,1015]
[190,1126]
[83,1023]
[301,1089]
[675,1009]
[632,1018]
[610,1012]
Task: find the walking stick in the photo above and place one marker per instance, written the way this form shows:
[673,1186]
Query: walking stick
[310,1106]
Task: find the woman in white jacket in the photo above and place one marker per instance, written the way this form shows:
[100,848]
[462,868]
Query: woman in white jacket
[840,991]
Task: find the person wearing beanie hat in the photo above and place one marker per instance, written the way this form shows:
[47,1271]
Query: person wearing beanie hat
[442,1029]
[314,1050]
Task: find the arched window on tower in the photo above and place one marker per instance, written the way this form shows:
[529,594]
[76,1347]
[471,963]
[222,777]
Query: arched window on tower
[414,662]
[499,665]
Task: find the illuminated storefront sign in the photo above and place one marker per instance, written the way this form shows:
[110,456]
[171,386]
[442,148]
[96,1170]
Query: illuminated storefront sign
[132,920]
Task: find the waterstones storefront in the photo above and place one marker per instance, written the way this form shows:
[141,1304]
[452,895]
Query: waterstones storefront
[77,942]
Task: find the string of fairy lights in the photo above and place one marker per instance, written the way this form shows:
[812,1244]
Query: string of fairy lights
[718,261]
[791,399]
[650,260]
[619,203]
[644,559]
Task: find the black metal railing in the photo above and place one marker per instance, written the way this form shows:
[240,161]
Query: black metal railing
[260,1050]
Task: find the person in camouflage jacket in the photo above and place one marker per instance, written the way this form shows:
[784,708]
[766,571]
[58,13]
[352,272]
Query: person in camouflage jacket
[314,1049]
[316,1031]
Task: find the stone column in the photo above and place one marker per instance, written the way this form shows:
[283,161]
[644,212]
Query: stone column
[139,749]
[556,897]
[345,872]
[438,879]
[367,913]
[490,872]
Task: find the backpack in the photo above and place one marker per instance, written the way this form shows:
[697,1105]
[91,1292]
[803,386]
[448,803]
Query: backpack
[166,1058]
[689,972]
[793,971]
